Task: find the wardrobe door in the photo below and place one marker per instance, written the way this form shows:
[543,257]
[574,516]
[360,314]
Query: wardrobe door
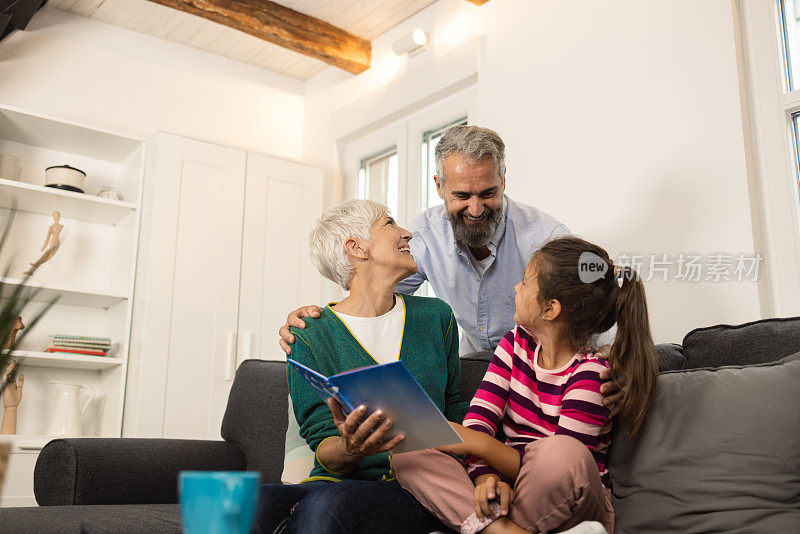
[283,200]
[188,289]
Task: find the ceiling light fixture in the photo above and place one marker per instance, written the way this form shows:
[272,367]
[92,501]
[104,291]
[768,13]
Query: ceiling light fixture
[411,44]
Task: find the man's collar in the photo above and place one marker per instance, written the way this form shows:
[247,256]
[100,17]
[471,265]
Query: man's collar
[501,228]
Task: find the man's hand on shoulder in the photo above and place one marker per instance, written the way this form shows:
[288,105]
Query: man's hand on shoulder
[613,389]
[295,319]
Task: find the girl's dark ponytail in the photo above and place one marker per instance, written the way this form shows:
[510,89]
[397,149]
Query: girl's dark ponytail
[633,359]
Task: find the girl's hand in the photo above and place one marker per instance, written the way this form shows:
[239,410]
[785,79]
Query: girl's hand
[489,488]
[471,444]
[366,438]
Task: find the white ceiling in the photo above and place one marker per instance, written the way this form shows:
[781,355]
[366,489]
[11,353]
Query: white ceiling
[365,18]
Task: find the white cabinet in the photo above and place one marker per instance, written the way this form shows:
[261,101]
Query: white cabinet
[282,202]
[224,257]
[92,273]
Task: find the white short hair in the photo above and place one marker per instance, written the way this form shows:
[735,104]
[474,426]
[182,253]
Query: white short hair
[351,219]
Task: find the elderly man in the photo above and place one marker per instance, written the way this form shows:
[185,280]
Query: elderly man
[475,247]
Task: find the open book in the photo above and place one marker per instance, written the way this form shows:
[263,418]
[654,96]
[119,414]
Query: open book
[391,388]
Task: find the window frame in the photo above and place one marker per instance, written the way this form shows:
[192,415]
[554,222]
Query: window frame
[363,167]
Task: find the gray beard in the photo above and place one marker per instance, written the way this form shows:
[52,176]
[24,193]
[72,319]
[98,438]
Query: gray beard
[475,235]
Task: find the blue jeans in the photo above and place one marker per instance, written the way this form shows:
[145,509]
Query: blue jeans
[350,506]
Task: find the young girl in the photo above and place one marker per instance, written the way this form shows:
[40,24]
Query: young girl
[544,387]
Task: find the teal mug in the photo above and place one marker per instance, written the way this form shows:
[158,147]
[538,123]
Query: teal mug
[217,502]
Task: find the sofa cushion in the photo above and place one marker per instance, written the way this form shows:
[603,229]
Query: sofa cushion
[670,357]
[762,341]
[718,452]
[93,519]
[298,459]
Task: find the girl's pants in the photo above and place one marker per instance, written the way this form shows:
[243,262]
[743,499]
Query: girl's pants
[558,486]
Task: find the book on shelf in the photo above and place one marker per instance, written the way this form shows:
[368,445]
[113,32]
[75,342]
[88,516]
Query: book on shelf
[391,388]
[79,344]
[91,343]
[81,338]
[64,350]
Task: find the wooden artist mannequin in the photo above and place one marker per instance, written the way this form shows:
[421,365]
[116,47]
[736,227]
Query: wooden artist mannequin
[12,395]
[52,240]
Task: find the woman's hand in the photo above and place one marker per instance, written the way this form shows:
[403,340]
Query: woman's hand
[489,488]
[471,444]
[295,319]
[366,438]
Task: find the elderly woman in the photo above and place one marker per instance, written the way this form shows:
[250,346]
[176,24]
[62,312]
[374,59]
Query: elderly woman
[351,488]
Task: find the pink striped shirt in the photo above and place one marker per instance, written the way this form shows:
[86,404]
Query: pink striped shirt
[534,403]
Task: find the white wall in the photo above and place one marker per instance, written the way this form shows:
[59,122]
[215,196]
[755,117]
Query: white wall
[75,68]
[622,119]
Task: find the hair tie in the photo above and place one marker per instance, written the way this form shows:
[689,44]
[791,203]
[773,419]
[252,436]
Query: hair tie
[619,274]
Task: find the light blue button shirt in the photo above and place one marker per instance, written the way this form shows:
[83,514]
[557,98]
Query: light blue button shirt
[483,304]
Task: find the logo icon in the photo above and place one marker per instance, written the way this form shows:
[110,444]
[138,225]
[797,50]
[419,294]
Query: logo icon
[591,267]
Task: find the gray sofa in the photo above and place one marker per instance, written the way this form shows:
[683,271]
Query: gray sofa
[679,474]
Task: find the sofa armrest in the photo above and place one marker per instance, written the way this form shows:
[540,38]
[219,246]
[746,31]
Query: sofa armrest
[125,470]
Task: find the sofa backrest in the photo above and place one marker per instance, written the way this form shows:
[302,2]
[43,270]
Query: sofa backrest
[256,416]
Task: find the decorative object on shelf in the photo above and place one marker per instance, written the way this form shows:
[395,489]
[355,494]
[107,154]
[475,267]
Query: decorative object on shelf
[12,396]
[12,337]
[89,345]
[52,239]
[109,192]
[66,418]
[64,177]
[9,167]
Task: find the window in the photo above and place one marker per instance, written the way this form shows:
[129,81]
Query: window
[430,139]
[378,179]
[789,24]
[789,13]
[768,42]
[394,163]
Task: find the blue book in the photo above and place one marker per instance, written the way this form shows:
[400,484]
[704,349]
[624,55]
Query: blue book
[394,390]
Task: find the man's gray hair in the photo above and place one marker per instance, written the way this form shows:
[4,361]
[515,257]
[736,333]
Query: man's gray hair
[471,142]
[351,219]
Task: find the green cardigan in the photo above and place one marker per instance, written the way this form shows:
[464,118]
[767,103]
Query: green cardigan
[429,349]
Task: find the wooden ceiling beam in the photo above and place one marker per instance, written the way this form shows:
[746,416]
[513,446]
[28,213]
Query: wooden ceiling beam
[285,27]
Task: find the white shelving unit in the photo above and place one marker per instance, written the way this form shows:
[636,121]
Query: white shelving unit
[70,296]
[92,274]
